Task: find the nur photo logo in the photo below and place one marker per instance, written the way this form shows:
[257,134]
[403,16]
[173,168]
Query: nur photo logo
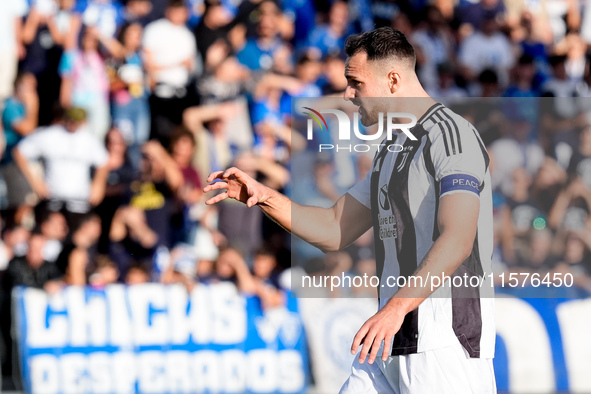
[389,122]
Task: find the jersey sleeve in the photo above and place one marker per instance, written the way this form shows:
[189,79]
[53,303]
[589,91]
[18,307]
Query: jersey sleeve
[31,147]
[361,191]
[458,156]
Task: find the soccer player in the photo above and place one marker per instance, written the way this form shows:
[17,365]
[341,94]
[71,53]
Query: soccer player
[431,208]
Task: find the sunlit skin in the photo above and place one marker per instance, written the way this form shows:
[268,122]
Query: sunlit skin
[368,82]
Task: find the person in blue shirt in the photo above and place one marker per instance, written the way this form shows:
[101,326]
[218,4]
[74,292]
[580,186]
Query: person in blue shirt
[106,15]
[19,118]
[259,52]
[524,73]
[129,87]
[330,38]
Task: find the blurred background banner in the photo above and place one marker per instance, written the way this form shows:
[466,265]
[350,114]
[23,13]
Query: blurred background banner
[543,345]
[161,339]
[157,339]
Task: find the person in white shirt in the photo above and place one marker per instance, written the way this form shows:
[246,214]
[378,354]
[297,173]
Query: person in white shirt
[171,59]
[487,48]
[11,46]
[69,151]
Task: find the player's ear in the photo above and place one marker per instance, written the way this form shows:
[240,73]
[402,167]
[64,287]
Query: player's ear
[393,81]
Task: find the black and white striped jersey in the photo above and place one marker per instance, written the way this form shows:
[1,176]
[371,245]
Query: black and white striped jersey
[403,191]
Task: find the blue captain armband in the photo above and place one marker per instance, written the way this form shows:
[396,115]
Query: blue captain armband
[459,183]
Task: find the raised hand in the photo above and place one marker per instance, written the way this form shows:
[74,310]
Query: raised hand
[238,185]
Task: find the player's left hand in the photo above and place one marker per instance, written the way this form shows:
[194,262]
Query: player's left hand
[380,327]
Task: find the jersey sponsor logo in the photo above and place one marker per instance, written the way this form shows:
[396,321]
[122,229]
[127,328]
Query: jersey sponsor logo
[387,221]
[460,182]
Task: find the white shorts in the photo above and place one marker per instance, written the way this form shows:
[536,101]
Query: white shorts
[446,370]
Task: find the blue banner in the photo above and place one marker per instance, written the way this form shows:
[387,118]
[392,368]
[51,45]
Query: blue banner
[158,339]
[543,344]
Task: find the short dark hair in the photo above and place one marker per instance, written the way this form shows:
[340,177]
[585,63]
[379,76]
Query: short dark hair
[180,133]
[265,250]
[380,44]
[176,4]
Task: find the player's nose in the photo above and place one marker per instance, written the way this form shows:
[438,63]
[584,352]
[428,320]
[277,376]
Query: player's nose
[349,93]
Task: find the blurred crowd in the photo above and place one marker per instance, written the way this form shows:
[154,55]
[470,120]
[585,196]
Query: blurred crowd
[115,112]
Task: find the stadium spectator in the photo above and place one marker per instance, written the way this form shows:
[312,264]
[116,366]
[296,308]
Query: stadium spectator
[171,60]
[333,80]
[537,256]
[19,119]
[515,149]
[209,124]
[571,207]
[11,45]
[129,87]
[486,48]
[69,152]
[79,253]
[548,183]
[523,78]
[472,15]
[489,86]
[330,38]
[266,279]
[259,52]
[105,273]
[576,259]
[562,116]
[231,267]
[182,152]
[104,15]
[437,43]
[122,172]
[137,11]
[67,24]
[563,16]
[42,38]
[446,83]
[30,270]
[580,161]
[224,79]
[215,26]
[53,226]
[136,275]
[132,243]
[155,189]
[187,210]
[85,83]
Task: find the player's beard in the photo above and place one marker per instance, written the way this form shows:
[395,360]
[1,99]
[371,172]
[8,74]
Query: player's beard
[367,118]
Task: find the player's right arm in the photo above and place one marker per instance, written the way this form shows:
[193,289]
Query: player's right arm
[329,229]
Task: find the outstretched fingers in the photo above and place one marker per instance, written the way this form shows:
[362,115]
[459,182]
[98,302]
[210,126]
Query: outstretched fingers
[238,174]
[217,198]
[215,186]
[215,175]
